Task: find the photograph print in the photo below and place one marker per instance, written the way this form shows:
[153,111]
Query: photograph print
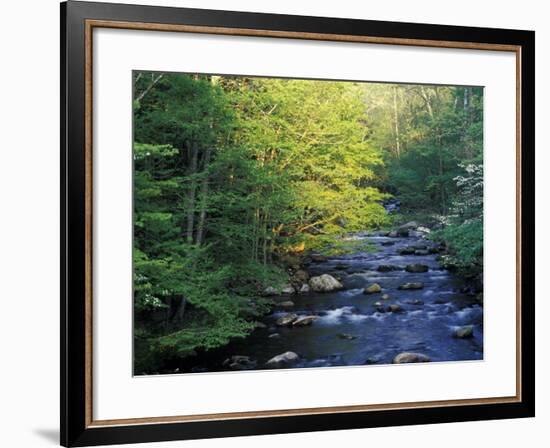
[297,223]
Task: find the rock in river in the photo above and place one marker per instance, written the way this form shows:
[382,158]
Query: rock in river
[420,247]
[416,268]
[395,308]
[388,268]
[409,357]
[341,266]
[372,360]
[286,320]
[347,336]
[411,225]
[283,360]
[239,362]
[421,252]
[413,285]
[286,304]
[304,289]
[464,332]
[304,321]
[372,289]
[318,258]
[406,251]
[403,232]
[385,297]
[324,283]
[288,289]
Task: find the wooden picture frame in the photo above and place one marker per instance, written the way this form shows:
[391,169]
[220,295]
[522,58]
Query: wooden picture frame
[78,22]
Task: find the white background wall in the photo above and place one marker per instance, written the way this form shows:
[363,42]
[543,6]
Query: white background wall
[29,221]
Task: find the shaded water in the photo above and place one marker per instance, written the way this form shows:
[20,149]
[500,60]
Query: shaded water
[351,331]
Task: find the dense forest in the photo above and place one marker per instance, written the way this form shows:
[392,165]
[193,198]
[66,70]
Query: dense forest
[238,179]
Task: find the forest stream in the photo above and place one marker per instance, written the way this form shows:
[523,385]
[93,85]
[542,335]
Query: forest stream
[354,328]
[246,188]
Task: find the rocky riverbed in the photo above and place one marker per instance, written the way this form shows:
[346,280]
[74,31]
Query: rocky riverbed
[395,304]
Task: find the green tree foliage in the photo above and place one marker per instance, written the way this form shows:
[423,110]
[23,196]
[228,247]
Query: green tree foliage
[432,141]
[426,132]
[311,143]
[463,232]
[232,175]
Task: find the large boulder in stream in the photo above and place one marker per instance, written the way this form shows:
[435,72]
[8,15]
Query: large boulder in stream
[416,268]
[283,360]
[410,357]
[324,283]
[286,320]
[372,289]
[411,285]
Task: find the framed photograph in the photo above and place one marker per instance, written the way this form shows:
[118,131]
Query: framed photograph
[280,223]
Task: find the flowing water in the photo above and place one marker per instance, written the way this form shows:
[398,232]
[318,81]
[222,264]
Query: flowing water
[352,330]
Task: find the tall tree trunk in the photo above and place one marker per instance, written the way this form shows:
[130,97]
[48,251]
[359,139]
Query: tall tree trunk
[191,193]
[154,80]
[177,309]
[441,170]
[468,93]
[265,230]
[396,123]
[203,198]
[427,101]
[443,199]
[254,233]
